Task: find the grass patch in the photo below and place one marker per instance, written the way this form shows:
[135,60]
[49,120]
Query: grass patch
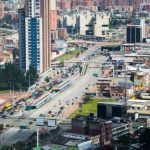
[90,107]
[86,67]
[68,55]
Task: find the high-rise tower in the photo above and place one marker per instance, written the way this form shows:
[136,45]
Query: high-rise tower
[37,36]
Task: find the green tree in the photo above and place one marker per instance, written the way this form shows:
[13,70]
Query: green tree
[15,53]
[78,53]
[31,75]
[19,146]
[124,140]
[62,64]
[11,75]
[86,98]
[145,139]
[47,79]
[1,127]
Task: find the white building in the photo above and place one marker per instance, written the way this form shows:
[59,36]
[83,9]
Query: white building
[70,19]
[87,23]
[101,24]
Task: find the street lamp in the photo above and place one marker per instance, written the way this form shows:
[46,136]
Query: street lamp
[29,80]
[10,86]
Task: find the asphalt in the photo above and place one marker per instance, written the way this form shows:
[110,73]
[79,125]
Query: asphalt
[77,89]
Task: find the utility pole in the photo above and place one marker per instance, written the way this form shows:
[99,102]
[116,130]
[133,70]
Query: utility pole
[37,138]
[126,104]
[126,86]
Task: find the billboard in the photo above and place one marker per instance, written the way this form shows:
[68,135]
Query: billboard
[40,121]
[52,123]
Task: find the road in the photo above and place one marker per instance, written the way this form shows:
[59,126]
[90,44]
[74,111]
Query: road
[76,90]
[49,72]
[68,96]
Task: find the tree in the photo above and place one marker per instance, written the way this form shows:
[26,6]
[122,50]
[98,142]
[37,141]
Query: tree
[57,72]
[62,64]
[15,53]
[31,75]
[132,77]
[78,53]
[145,139]
[1,127]
[11,75]
[47,79]
[19,145]
[86,98]
[7,148]
[124,140]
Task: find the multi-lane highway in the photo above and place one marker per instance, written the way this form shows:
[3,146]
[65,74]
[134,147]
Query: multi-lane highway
[79,83]
[72,94]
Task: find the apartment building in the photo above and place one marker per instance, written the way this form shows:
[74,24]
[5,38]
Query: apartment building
[69,4]
[101,24]
[102,128]
[62,33]
[1,10]
[87,23]
[93,127]
[106,4]
[53,20]
[103,86]
[35,35]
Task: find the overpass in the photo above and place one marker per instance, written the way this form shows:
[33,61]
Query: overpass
[94,42]
[7,30]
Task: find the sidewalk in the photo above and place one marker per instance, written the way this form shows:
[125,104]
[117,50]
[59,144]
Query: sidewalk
[70,110]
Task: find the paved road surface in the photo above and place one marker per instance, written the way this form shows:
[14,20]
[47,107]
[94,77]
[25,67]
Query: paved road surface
[76,90]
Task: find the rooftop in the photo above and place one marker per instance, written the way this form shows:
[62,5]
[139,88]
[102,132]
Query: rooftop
[111,103]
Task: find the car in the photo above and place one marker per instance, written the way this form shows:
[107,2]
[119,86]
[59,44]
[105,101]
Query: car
[42,115]
[69,74]
[50,112]
[4,116]
[30,122]
[16,110]
[11,113]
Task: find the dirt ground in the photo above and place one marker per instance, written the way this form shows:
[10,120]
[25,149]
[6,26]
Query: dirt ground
[15,95]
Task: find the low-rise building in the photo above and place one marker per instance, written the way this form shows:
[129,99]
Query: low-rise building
[102,128]
[108,110]
[103,86]
[93,127]
[62,33]
[79,125]
[5,57]
[119,129]
[141,80]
